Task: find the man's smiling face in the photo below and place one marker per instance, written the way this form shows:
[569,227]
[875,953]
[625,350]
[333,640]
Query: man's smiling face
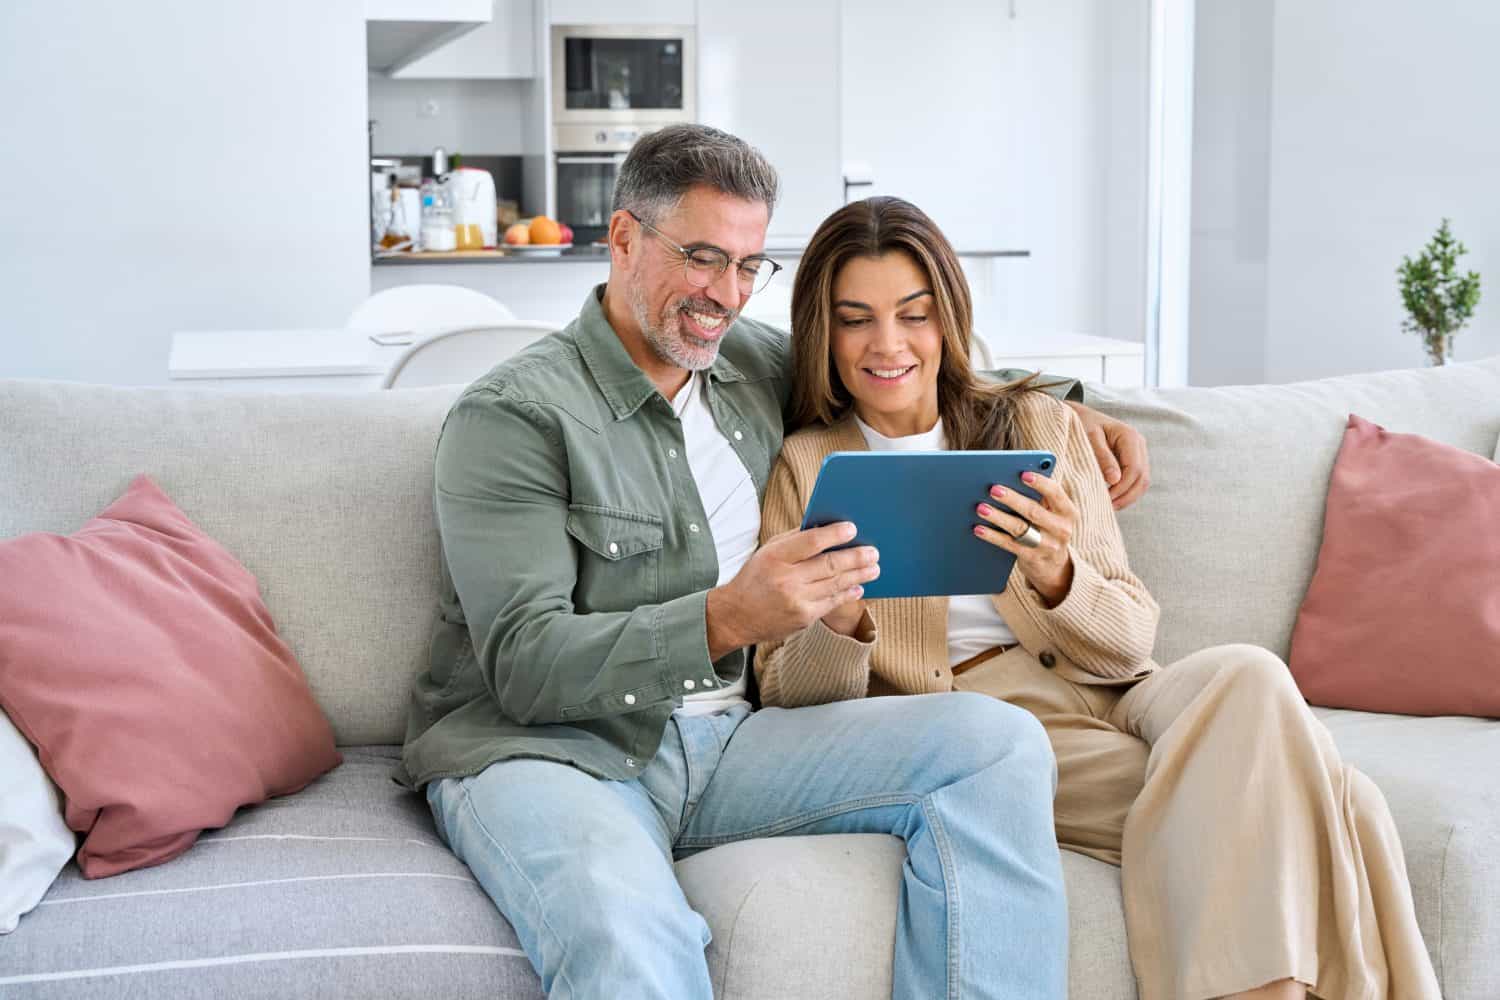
[682,323]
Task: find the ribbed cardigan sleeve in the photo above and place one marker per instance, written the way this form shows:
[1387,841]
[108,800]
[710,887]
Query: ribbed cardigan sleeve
[1107,622]
[816,665]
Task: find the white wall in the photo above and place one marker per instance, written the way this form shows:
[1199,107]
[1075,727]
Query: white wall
[174,164]
[1231,192]
[479,117]
[1377,122]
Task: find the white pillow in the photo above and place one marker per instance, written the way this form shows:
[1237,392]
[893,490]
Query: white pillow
[35,843]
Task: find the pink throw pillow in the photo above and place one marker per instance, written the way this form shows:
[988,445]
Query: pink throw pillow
[1403,613]
[139,659]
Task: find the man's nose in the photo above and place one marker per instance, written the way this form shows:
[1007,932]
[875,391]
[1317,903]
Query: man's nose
[725,289]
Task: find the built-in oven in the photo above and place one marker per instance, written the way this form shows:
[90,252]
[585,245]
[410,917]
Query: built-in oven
[642,75]
[585,192]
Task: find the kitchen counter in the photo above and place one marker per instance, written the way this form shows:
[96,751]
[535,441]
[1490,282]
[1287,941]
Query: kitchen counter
[590,253]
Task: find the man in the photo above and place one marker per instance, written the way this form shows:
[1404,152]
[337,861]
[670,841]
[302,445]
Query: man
[583,720]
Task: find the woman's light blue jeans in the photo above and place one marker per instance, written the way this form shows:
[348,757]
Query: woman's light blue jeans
[582,868]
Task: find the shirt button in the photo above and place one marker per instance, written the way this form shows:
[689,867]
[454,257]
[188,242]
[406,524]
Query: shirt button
[671,452]
[630,699]
[1047,660]
[693,528]
[614,548]
[688,684]
[738,436]
[708,682]
[630,762]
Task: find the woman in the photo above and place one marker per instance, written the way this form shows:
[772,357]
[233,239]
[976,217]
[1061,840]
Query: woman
[1255,863]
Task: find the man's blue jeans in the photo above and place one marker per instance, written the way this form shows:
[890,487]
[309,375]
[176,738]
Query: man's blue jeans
[582,868]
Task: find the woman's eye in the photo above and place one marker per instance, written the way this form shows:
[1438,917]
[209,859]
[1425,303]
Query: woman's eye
[853,320]
[915,319]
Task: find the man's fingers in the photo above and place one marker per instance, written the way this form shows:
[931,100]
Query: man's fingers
[1106,456]
[1128,493]
[803,545]
[855,579]
[831,565]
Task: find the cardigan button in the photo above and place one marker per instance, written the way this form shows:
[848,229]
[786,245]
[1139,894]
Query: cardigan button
[1047,660]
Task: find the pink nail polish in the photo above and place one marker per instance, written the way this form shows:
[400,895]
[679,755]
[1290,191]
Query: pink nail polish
[985,510]
[1029,477]
[979,531]
[997,491]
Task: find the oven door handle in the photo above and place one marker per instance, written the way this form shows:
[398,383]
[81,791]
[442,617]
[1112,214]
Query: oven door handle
[614,158]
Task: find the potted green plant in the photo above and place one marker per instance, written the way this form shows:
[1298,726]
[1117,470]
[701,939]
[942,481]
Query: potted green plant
[1439,301]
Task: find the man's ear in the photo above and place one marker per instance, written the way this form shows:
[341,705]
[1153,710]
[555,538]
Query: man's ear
[624,238]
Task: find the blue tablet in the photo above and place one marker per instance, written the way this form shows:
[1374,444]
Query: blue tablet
[917,508]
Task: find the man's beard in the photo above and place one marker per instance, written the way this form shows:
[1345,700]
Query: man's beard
[667,335]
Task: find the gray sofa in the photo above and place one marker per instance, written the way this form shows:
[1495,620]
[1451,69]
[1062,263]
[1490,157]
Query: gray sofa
[344,890]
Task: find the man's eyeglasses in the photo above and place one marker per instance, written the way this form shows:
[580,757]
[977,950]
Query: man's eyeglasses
[704,264]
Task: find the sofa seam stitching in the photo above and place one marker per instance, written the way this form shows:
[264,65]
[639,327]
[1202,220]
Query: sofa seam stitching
[1442,952]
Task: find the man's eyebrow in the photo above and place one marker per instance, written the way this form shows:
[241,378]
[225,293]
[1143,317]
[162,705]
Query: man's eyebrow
[864,305]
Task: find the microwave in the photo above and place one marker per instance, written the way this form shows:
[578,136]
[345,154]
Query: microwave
[613,78]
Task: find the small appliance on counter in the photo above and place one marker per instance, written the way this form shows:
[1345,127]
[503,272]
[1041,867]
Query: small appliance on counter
[474,208]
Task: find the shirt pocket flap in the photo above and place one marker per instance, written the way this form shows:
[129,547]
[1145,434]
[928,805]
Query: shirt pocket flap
[614,534]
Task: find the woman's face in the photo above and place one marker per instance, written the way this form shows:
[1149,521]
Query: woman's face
[886,342]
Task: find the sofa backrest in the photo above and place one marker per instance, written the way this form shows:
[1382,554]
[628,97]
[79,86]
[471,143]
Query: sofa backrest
[1227,537]
[327,498]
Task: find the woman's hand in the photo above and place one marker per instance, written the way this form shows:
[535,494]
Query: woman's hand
[1047,566]
[845,618]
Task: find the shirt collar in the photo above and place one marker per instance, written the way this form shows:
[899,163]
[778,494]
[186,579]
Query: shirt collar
[624,386]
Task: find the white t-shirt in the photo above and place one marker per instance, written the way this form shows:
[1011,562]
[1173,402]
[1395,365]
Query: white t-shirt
[728,495]
[974,624]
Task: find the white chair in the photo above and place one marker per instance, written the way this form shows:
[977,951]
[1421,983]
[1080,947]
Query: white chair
[423,309]
[462,355]
[979,353]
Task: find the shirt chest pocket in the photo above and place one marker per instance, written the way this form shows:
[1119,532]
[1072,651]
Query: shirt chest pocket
[619,558]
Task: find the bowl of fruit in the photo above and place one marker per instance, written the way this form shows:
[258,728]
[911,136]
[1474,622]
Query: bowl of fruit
[538,236]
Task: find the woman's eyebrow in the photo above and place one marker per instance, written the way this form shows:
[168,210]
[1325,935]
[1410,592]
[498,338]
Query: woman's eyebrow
[866,306]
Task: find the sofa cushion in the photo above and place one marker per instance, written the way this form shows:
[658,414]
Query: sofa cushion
[1227,537]
[139,659]
[35,843]
[1440,779]
[325,497]
[1407,588]
[340,891]
[815,917]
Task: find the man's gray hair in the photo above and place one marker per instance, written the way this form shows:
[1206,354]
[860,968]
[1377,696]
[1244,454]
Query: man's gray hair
[663,165]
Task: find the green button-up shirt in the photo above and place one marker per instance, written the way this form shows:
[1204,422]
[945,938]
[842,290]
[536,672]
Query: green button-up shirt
[574,588]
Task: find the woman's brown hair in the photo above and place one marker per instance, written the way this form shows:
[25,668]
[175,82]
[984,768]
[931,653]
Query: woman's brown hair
[976,412]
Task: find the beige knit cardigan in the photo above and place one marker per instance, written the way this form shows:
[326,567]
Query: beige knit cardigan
[1100,633]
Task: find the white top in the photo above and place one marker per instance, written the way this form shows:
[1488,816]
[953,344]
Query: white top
[974,623]
[729,500]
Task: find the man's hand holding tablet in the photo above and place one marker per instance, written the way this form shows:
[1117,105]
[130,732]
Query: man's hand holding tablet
[789,583]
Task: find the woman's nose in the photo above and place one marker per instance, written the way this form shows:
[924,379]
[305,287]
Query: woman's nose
[887,336]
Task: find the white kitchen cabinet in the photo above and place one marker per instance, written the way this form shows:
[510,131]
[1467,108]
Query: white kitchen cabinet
[616,12]
[503,49]
[929,103]
[399,32]
[769,73]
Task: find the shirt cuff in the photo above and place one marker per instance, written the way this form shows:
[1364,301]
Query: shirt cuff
[682,631]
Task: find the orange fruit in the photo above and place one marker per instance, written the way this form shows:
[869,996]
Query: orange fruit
[545,231]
